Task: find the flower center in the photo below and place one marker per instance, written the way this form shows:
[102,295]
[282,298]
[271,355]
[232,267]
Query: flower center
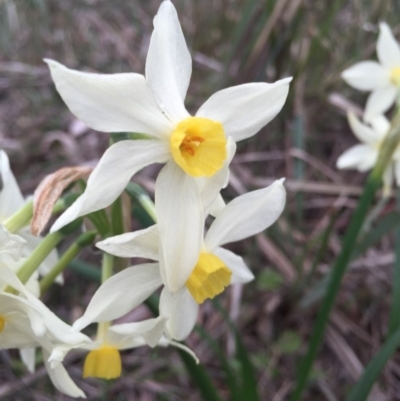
[2,323]
[103,363]
[395,75]
[198,146]
[209,278]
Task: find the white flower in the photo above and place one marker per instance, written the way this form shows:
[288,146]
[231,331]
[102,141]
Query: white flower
[363,156]
[26,323]
[104,359]
[190,146]
[382,79]
[11,200]
[214,269]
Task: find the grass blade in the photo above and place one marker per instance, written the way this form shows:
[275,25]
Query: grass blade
[334,283]
[394,318]
[361,390]
[200,377]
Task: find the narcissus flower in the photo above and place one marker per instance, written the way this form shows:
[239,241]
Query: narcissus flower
[192,147]
[26,323]
[11,200]
[103,359]
[214,267]
[381,78]
[363,156]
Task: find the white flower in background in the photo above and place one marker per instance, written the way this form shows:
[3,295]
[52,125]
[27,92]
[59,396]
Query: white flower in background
[214,269]
[363,156]
[26,323]
[191,146]
[381,78]
[11,200]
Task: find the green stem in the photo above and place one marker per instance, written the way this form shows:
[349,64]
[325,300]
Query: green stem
[106,273]
[117,227]
[83,240]
[394,317]
[135,191]
[349,241]
[20,219]
[39,255]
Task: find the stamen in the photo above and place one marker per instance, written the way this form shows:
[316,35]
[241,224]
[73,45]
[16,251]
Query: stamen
[209,277]
[103,363]
[198,146]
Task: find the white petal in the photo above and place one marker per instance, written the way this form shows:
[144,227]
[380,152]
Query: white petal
[211,186]
[245,109]
[138,244]
[16,305]
[11,244]
[181,310]
[11,198]
[217,206]
[367,76]
[360,157]
[240,272]
[247,215]
[112,102]
[380,101]
[363,132]
[180,223]
[28,358]
[130,335]
[120,294]
[380,124]
[8,277]
[17,333]
[387,48]
[110,177]
[61,379]
[168,64]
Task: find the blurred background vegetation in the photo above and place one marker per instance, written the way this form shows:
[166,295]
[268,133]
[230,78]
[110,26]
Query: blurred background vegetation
[232,42]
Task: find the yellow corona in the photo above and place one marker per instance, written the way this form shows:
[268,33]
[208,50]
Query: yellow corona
[103,363]
[209,278]
[198,146]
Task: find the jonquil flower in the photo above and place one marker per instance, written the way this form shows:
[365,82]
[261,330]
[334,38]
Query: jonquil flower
[363,156]
[214,267]
[11,200]
[103,359]
[381,78]
[191,146]
[26,323]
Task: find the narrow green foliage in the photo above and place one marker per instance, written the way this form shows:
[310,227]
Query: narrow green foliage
[200,377]
[361,390]
[335,279]
[229,372]
[394,319]
[339,267]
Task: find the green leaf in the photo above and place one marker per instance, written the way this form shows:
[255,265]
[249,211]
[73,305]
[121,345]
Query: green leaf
[200,377]
[269,280]
[289,342]
[362,388]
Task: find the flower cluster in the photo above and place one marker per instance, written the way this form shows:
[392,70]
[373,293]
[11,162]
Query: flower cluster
[382,79]
[189,262]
